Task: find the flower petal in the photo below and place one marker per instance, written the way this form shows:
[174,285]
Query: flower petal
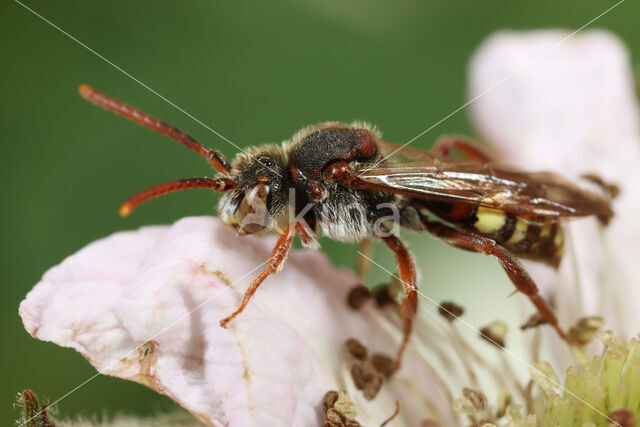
[163,290]
[552,101]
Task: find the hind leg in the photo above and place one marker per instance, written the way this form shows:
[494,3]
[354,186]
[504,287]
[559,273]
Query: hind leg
[363,264]
[514,269]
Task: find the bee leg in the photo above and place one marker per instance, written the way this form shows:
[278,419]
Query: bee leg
[276,262]
[408,276]
[611,190]
[514,269]
[444,145]
[363,263]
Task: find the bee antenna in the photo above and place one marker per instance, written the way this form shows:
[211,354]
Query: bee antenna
[221,185]
[214,157]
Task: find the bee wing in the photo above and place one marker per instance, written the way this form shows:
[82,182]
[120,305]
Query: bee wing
[461,181]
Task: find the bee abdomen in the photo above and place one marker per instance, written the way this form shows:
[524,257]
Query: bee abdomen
[494,223]
[527,237]
[541,239]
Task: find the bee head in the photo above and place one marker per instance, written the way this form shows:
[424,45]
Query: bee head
[259,200]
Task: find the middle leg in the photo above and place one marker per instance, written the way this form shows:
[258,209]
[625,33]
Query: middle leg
[408,276]
[363,263]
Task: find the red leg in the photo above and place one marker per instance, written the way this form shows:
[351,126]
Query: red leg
[514,269]
[363,264]
[214,157]
[408,277]
[276,261]
[445,144]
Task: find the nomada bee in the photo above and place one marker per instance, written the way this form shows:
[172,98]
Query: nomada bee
[348,182]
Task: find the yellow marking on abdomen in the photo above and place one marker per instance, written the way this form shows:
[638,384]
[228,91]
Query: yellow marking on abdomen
[545,232]
[519,232]
[558,241]
[489,220]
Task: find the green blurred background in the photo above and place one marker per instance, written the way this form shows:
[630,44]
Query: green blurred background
[253,71]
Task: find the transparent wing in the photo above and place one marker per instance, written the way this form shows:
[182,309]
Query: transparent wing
[461,181]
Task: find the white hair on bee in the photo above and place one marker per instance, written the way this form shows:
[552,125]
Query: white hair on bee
[344,218]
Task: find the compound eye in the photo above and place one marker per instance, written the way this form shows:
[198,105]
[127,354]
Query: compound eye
[252,213]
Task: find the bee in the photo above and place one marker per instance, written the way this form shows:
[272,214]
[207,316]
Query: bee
[344,181]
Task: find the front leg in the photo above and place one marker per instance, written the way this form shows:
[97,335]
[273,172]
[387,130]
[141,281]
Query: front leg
[276,262]
[514,269]
[363,263]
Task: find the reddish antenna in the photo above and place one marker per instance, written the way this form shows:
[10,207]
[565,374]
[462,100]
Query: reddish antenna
[214,157]
[221,185]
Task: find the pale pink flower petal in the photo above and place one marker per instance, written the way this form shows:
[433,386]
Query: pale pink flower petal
[163,290]
[569,106]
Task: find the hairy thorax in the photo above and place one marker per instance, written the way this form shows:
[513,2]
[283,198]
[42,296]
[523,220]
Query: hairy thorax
[341,213]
